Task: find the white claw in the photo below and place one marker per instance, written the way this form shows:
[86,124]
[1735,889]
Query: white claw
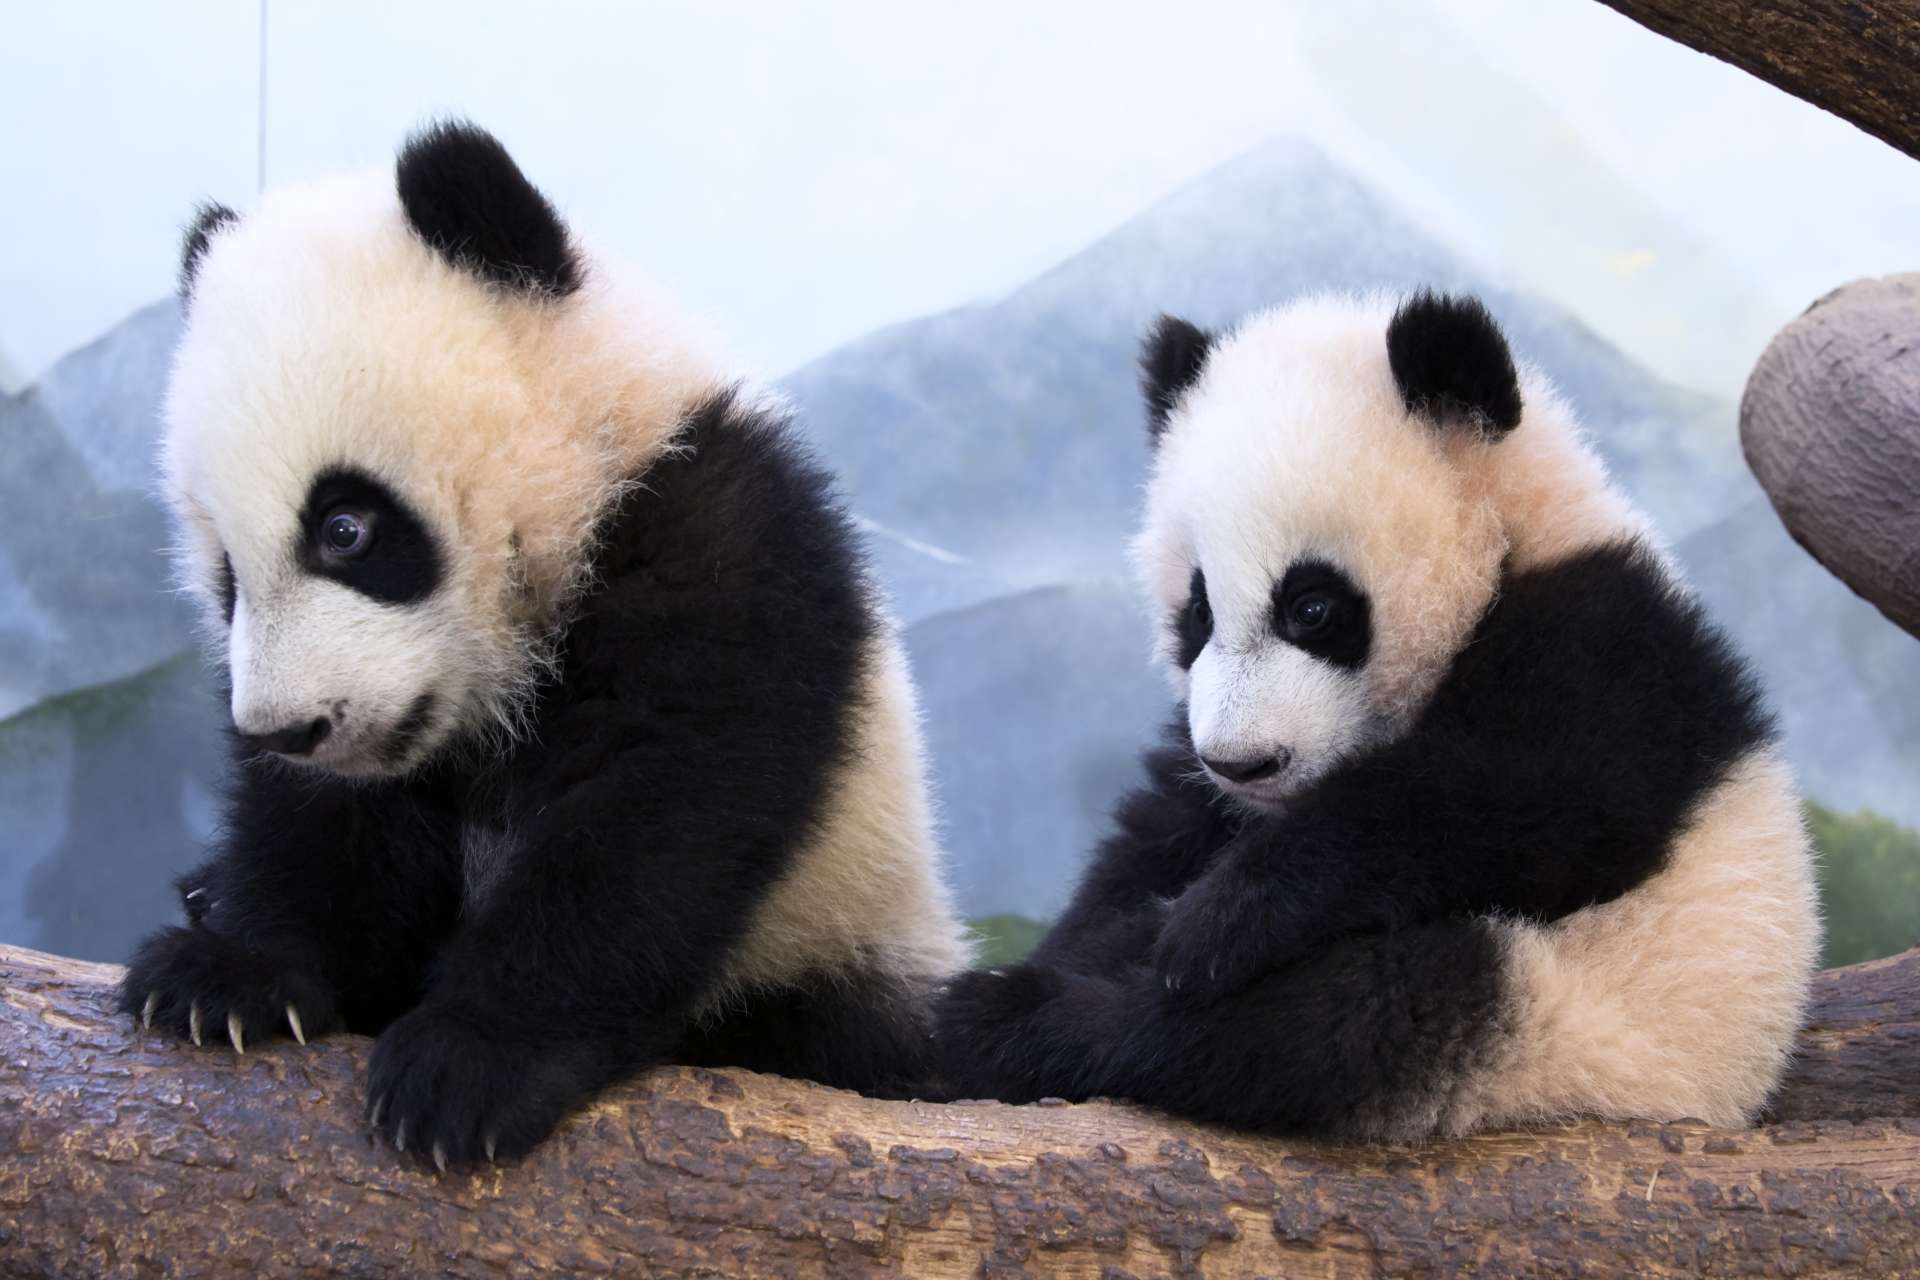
[146,1010]
[489,1148]
[379,1105]
[293,1020]
[400,1136]
[234,1029]
[194,893]
[193,1021]
[440,1157]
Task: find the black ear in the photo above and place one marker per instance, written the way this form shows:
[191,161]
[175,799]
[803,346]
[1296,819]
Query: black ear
[1171,358]
[207,220]
[464,196]
[1451,361]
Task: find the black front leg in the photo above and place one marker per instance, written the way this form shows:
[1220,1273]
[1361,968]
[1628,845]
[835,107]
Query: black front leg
[1430,828]
[1170,830]
[320,910]
[579,968]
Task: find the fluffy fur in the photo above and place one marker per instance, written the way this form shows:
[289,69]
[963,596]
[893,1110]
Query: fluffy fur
[1520,844]
[571,736]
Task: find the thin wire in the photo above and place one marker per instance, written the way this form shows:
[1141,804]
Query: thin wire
[260,169]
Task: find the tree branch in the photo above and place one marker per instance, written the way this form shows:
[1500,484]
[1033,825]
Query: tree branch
[1859,59]
[1830,422]
[128,1154]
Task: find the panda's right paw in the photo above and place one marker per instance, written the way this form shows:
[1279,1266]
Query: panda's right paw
[198,984]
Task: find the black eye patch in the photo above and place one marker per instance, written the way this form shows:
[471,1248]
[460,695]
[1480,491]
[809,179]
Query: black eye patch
[1319,609]
[397,563]
[228,587]
[1193,623]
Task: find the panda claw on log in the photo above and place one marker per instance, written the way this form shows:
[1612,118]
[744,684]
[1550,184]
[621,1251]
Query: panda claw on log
[1469,816]
[571,734]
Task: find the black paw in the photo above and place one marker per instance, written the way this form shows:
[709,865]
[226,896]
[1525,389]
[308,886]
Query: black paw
[201,985]
[1224,933]
[986,1036]
[450,1089]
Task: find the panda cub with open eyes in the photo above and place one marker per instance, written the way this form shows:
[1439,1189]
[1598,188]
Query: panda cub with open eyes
[1470,819]
[571,736]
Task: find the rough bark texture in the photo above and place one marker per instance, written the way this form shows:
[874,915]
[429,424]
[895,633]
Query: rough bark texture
[1831,426]
[1859,59]
[124,1154]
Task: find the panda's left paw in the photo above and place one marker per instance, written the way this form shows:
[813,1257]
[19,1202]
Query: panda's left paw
[1226,931]
[448,1088]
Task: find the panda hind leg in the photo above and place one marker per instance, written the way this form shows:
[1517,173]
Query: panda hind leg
[861,1031]
[1362,1041]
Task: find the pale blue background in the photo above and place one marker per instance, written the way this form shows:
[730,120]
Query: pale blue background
[941,228]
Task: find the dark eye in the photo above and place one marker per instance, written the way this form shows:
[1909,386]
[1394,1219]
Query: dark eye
[1193,624]
[1310,613]
[345,533]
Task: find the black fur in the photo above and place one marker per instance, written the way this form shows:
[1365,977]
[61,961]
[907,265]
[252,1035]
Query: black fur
[1344,635]
[860,1031]
[1451,361]
[402,737]
[464,196]
[228,587]
[1193,625]
[402,563]
[1171,359]
[1315,967]
[708,681]
[208,218]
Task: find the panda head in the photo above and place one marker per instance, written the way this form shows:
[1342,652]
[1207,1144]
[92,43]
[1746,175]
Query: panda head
[387,438]
[1319,538]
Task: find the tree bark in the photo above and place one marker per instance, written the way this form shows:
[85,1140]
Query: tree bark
[130,1154]
[1830,422]
[1859,59]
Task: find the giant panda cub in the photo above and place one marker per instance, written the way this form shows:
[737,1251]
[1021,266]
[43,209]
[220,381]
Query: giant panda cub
[570,735]
[1470,817]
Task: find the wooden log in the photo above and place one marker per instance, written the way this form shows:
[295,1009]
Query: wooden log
[1859,59]
[129,1154]
[1830,423]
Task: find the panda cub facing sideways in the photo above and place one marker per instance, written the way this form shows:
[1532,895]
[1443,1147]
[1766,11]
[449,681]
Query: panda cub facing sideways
[1471,818]
[570,734]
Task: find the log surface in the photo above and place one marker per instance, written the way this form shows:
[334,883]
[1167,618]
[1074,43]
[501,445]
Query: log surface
[1830,423]
[1859,59]
[126,1154]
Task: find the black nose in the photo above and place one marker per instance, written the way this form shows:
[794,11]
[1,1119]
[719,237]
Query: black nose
[1248,770]
[298,740]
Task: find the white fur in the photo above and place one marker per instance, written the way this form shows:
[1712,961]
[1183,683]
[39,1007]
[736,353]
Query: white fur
[1679,998]
[864,890]
[323,331]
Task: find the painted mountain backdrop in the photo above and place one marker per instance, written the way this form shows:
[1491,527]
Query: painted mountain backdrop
[995,454]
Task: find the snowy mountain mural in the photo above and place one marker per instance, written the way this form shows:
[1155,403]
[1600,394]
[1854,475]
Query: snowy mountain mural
[995,455]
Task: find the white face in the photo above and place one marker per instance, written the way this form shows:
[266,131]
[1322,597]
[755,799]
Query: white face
[1267,716]
[342,410]
[343,650]
[1343,550]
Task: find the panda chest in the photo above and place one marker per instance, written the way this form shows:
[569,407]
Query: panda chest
[487,851]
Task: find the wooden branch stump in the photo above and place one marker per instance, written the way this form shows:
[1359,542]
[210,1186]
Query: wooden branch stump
[1859,59]
[1830,423]
[128,1154]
